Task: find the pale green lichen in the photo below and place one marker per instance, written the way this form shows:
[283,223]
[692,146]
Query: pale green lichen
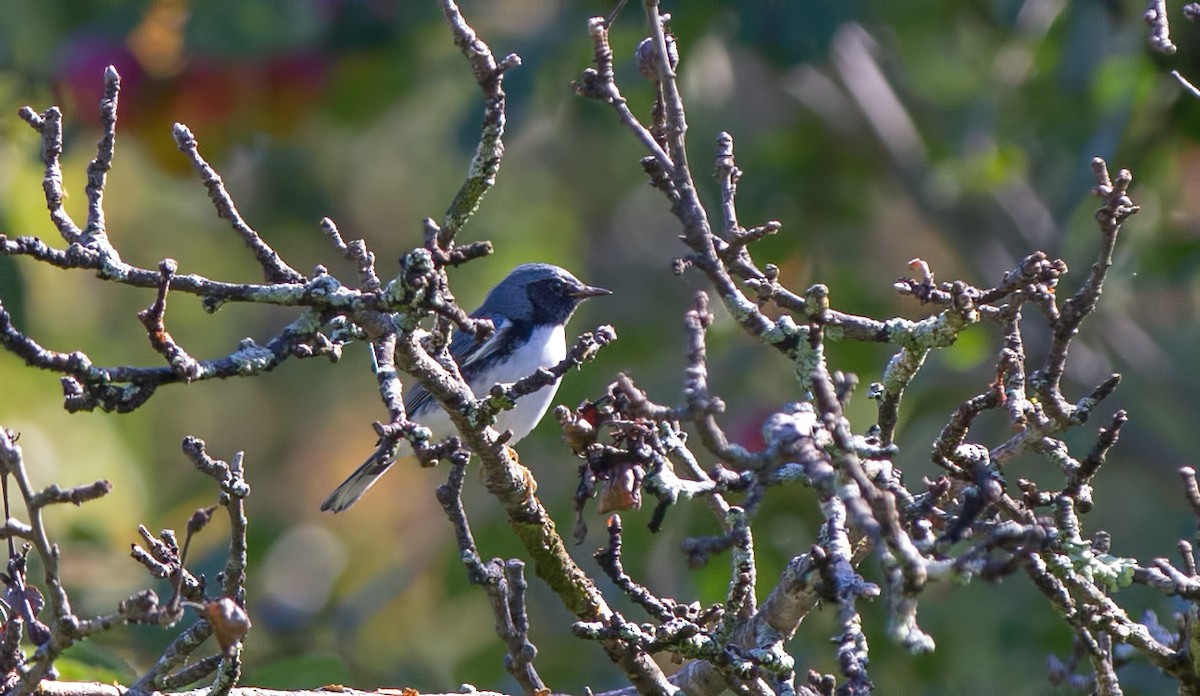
[309,322]
[960,571]
[784,330]
[906,632]
[740,308]
[806,359]
[834,332]
[112,268]
[493,404]
[791,473]
[252,358]
[902,367]
[481,176]
[1057,453]
[774,659]
[420,435]
[1111,572]
[397,293]
[342,330]
[938,331]
[325,286]
[482,413]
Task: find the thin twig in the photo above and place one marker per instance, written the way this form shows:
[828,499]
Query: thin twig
[275,269]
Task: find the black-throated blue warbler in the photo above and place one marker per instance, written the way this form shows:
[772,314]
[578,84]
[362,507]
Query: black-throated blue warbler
[529,309]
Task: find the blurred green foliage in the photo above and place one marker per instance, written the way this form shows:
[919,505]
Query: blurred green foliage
[365,112]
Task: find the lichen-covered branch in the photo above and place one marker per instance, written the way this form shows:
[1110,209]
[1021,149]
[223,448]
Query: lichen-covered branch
[165,559]
[975,520]
[489,74]
[504,582]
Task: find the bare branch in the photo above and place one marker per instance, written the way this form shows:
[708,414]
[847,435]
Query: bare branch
[1160,27]
[275,269]
[504,583]
[49,125]
[481,174]
[183,365]
[97,171]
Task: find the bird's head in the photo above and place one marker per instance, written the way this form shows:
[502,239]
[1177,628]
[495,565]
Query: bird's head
[539,292]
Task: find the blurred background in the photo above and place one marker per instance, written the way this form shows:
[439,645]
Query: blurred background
[876,132]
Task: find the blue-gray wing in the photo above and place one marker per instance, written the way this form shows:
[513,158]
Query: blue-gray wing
[470,354]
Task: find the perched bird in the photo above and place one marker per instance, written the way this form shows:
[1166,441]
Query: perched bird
[528,308]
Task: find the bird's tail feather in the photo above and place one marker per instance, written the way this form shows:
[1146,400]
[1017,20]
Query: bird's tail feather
[365,476]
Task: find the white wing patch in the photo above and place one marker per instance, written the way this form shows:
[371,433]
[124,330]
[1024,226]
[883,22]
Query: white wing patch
[488,346]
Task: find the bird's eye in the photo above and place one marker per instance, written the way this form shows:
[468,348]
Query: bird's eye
[557,285]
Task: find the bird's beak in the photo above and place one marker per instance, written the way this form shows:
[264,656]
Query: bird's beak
[585,291]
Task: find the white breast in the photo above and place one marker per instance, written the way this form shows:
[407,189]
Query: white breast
[546,348]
